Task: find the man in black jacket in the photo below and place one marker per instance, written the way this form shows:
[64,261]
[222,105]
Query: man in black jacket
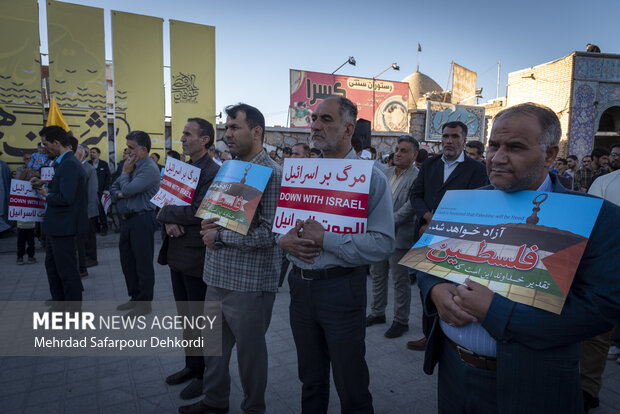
[183,249]
[103,178]
[452,170]
[65,216]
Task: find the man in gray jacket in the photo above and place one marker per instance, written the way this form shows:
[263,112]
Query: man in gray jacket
[87,242]
[400,177]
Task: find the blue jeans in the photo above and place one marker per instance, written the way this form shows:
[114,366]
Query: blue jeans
[328,320]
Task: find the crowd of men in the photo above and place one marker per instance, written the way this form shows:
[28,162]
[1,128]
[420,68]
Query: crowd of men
[494,355]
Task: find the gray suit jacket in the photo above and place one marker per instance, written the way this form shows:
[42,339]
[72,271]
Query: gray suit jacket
[404,215]
[92,186]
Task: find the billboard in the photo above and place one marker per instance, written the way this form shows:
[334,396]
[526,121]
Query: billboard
[384,103]
[463,85]
[438,113]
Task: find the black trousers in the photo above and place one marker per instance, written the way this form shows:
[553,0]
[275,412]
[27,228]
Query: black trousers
[136,246]
[101,218]
[25,236]
[62,269]
[328,320]
[91,239]
[189,294]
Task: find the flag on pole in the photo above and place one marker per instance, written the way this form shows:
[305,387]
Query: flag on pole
[419,47]
[54,117]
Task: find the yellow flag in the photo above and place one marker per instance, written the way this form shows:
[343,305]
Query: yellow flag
[55,116]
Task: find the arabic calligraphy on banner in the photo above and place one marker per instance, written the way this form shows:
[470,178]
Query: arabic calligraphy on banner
[178,184]
[25,203]
[524,246]
[333,192]
[234,195]
[384,103]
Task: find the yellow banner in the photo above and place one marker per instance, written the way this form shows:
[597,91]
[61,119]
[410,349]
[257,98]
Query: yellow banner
[77,70]
[21,109]
[138,78]
[192,69]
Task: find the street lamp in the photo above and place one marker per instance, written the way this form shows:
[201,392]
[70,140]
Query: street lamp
[350,61]
[392,66]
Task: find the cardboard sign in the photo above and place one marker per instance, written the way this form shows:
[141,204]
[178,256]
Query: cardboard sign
[525,245]
[333,192]
[178,184]
[25,203]
[234,194]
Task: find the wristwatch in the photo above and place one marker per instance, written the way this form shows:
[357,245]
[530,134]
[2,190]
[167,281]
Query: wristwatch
[218,239]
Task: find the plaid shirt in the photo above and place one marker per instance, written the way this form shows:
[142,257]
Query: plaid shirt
[250,263]
[584,177]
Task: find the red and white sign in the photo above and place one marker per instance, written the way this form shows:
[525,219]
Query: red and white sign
[178,184]
[333,192]
[106,201]
[47,173]
[25,203]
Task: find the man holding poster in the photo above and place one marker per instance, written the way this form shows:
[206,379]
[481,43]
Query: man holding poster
[328,282]
[241,272]
[183,249]
[497,355]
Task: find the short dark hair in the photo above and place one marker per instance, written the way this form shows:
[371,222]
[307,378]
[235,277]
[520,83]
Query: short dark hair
[411,140]
[305,146]
[96,149]
[372,150]
[599,152]
[422,155]
[315,151]
[454,124]
[573,157]
[74,143]
[287,150]
[548,121]
[479,146]
[141,138]
[157,155]
[586,156]
[55,133]
[253,117]
[617,144]
[205,128]
[173,154]
[562,161]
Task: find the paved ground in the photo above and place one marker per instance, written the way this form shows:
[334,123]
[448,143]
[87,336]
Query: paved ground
[136,385]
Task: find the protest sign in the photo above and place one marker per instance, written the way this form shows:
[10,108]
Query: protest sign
[525,245]
[234,194]
[25,203]
[178,184]
[47,173]
[106,201]
[333,192]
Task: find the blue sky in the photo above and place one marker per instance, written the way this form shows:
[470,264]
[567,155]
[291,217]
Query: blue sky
[258,42]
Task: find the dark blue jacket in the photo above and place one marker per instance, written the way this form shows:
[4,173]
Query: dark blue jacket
[66,212]
[538,351]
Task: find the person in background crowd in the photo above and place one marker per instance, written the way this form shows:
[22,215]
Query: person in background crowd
[561,167]
[39,159]
[497,355]
[300,150]
[400,178]
[242,272]
[614,157]
[155,157]
[328,281]
[451,171]
[475,150]
[22,172]
[573,165]
[598,166]
[213,154]
[225,156]
[422,156]
[132,192]
[373,152]
[103,180]
[183,250]
[119,168]
[87,242]
[273,154]
[315,153]
[174,154]
[586,160]
[65,217]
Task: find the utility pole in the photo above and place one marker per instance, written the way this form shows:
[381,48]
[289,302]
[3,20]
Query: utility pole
[499,65]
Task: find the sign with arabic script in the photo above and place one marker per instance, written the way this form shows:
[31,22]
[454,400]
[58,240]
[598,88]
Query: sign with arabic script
[25,203]
[438,113]
[234,194]
[333,192]
[382,102]
[178,185]
[525,245]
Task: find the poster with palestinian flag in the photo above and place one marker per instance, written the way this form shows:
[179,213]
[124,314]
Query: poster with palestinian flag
[525,245]
[234,195]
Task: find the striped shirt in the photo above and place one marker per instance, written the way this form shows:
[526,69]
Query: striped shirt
[250,263]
